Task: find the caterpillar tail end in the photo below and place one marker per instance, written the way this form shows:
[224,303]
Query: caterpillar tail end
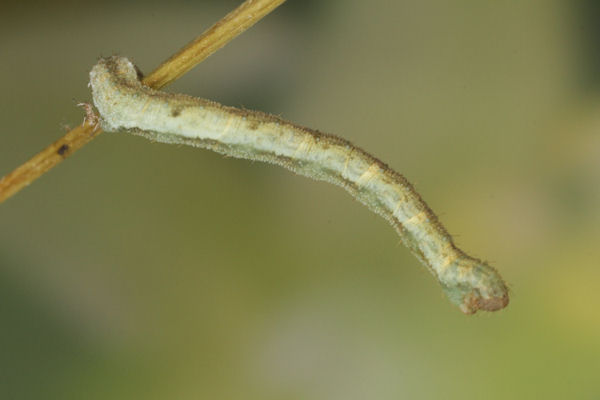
[473,303]
[473,285]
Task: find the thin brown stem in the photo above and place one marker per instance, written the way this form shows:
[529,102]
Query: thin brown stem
[217,36]
[234,23]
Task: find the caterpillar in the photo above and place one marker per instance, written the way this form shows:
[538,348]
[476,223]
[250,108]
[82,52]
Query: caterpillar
[125,104]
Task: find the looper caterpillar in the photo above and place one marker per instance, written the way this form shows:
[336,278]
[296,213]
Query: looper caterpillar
[124,103]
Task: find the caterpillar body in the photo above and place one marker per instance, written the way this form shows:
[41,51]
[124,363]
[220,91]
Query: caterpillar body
[125,104]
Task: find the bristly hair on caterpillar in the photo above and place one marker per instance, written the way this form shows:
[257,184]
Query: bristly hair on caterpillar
[125,104]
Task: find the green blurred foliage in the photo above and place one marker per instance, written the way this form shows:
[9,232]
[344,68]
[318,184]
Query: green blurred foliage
[142,270]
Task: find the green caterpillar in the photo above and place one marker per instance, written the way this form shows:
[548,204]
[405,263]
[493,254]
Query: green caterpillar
[125,104]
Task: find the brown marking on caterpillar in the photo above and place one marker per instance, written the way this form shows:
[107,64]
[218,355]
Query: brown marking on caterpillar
[473,303]
[253,124]
[176,112]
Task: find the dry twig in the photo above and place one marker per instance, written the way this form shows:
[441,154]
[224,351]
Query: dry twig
[234,23]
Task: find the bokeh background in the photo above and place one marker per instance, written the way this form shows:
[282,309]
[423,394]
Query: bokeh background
[143,270]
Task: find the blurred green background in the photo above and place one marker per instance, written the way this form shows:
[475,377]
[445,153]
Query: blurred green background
[143,270]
